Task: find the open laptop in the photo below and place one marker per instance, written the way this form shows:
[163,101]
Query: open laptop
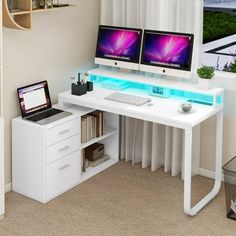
[35,104]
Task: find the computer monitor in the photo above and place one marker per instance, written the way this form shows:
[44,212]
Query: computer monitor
[168,53]
[118,47]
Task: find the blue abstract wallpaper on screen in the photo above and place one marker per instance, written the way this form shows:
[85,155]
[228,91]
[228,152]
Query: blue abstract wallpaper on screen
[119,44]
[169,50]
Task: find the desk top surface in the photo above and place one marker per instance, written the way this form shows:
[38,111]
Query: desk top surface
[163,111]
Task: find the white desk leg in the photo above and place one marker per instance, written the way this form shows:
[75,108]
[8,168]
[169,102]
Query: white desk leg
[188,168]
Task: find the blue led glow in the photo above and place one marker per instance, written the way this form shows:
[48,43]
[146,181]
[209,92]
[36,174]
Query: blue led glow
[219,99]
[118,84]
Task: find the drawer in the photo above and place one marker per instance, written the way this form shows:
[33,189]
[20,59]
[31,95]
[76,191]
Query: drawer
[63,174]
[62,131]
[62,148]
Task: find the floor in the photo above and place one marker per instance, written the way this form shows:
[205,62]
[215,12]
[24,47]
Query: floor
[123,200]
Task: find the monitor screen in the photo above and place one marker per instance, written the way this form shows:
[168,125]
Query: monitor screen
[166,52]
[118,46]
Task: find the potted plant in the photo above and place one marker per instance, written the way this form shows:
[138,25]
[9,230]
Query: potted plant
[205,74]
[230,67]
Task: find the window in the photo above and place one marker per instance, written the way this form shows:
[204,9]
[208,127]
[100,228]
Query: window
[219,35]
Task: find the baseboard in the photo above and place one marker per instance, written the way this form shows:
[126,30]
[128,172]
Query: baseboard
[207,173]
[203,172]
[8,187]
[211,174]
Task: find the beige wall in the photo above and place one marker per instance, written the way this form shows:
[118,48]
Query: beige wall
[59,44]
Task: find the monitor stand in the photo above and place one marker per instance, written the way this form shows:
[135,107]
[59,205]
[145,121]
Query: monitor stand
[123,70]
[161,76]
[157,76]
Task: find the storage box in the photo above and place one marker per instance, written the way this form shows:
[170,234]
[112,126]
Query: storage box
[79,89]
[94,151]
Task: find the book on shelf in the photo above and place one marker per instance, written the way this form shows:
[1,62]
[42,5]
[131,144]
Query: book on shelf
[99,161]
[83,129]
[88,130]
[92,126]
[83,160]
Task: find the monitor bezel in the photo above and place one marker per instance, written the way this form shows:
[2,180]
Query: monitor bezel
[119,62]
[166,69]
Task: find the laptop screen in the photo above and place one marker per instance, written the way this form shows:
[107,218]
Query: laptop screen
[34,98]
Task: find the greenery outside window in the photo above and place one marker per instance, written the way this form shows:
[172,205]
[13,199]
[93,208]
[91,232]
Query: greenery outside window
[219,35]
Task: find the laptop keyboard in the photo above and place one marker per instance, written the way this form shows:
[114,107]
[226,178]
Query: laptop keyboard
[44,114]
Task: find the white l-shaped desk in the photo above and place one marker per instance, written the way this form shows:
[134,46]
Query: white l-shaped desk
[162,111]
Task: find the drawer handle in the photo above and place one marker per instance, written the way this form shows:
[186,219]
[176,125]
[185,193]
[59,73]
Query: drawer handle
[64,167]
[64,131]
[63,149]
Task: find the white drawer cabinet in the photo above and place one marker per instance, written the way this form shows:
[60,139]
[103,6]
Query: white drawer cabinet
[61,132]
[62,174]
[62,148]
[45,158]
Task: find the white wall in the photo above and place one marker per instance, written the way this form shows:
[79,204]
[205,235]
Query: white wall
[59,44]
[2,196]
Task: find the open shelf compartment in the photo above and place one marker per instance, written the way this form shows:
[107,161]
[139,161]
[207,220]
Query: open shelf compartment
[109,132]
[111,146]
[91,171]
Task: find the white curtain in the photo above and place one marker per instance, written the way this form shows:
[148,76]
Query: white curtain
[152,144]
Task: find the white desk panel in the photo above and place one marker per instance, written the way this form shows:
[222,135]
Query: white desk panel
[163,111]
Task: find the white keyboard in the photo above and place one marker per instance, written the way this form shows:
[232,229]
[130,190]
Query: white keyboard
[126,98]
